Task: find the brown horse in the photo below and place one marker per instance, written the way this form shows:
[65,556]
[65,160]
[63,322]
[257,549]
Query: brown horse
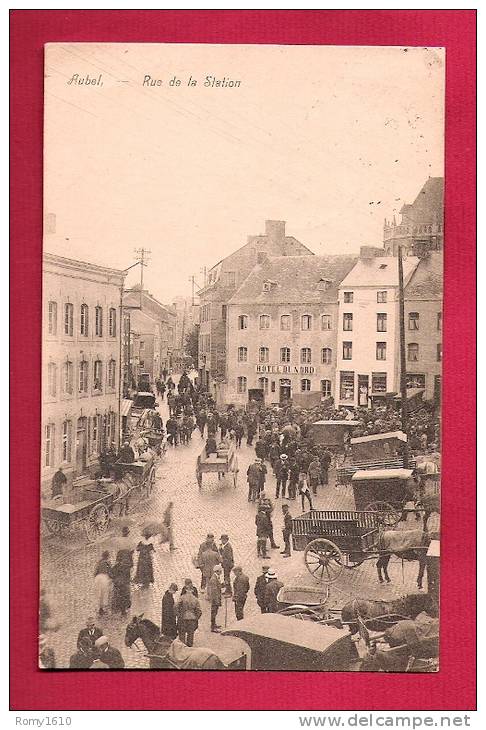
[159,646]
[380,615]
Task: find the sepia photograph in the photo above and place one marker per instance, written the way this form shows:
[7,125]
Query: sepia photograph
[242,294]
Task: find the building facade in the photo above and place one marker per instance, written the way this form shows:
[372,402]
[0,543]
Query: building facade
[368,353]
[80,364]
[221,282]
[186,319]
[421,228]
[282,329]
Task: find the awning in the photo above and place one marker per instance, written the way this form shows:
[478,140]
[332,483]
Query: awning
[126,406]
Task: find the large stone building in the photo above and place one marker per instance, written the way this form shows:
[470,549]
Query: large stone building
[281,329]
[221,283]
[80,363]
[421,228]
[149,335]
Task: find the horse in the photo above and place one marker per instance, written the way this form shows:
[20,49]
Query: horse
[380,615]
[167,653]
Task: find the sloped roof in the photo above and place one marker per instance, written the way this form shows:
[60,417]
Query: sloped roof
[296,280]
[428,206]
[379,271]
[427,280]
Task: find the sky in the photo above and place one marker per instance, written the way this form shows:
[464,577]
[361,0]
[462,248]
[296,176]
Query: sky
[330,139]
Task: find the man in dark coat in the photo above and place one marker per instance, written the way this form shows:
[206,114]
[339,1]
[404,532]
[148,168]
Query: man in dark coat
[108,654]
[127,454]
[168,624]
[215,597]
[227,561]
[287,530]
[271,591]
[260,585]
[241,586]
[91,632]
[211,447]
[326,459]
[59,481]
[263,530]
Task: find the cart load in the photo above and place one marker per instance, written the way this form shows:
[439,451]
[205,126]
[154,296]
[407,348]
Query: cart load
[333,434]
[383,490]
[376,451]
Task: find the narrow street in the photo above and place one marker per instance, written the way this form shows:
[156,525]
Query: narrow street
[68,563]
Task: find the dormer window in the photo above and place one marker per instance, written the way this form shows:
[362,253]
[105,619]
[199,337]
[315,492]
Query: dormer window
[269,285]
[383,266]
[324,284]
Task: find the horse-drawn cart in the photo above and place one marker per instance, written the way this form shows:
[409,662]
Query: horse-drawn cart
[223,463]
[94,502]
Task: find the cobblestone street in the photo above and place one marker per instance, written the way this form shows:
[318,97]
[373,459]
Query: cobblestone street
[68,563]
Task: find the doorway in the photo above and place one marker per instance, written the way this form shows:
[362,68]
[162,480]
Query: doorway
[285,390]
[363,386]
[81,445]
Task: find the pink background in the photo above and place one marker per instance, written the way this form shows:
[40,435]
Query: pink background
[454,686]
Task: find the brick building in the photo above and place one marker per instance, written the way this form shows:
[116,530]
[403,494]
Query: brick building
[80,363]
[221,283]
[421,228]
[281,329]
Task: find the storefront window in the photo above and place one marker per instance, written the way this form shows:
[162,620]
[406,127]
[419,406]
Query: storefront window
[346,390]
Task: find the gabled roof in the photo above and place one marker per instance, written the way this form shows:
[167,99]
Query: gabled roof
[427,280]
[381,271]
[297,280]
[428,206]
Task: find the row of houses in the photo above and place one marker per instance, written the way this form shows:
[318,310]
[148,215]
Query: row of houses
[278,322]
[97,340]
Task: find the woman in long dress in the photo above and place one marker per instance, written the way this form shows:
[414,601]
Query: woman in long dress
[102,583]
[121,586]
[144,575]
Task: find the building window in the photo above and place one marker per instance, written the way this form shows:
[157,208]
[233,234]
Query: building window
[49,451]
[52,318]
[68,319]
[415,380]
[326,356]
[381,322]
[67,438]
[205,312]
[224,312]
[263,354]
[439,352]
[112,322]
[326,388]
[231,278]
[112,374]
[83,376]
[98,375]
[242,354]
[67,377]
[142,363]
[378,382]
[381,350]
[241,384]
[99,321]
[413,352]
[348,297]
[263,385]
[96,435]
[347,322]
[141,345]
[285,354]
[346,389]
[285,322]
[347,350]
[52,380]
[439,321]
[381,297]
[242,322]
[84,320]
[413,321]
[305,385]
[306,322]
[264,321]
[306,356]
[326,323]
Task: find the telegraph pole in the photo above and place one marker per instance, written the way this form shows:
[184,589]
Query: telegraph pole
[403,364]
[143,259]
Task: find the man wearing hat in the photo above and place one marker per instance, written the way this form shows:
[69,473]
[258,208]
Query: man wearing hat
[127,454]
[287,530]
[253,476]
[168,625]
[259,590]
[271,591]
[227,561]
[91,632]
[108,654]
[241,586]
[282,474]
[215,596]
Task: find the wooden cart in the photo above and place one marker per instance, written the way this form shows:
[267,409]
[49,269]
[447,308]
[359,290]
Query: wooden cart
[224,464]
[99,501]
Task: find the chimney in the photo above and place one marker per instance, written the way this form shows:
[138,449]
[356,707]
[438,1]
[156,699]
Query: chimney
[275,232]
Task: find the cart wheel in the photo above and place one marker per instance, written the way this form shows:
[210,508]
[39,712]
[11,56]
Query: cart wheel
[388,517]
[324,560]
[97,522]
[53,526]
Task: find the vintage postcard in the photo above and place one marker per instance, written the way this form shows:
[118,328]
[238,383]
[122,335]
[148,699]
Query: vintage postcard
[241,357]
